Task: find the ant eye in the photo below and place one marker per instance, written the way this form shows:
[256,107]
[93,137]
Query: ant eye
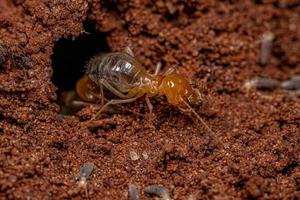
[171,84]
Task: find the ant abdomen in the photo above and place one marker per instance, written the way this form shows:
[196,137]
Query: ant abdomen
[120,70]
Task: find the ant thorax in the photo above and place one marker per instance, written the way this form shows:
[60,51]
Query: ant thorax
[148,84]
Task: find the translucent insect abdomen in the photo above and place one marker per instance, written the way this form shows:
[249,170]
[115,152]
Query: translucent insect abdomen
[120,70]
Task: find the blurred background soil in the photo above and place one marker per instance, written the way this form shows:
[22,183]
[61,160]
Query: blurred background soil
[254,152]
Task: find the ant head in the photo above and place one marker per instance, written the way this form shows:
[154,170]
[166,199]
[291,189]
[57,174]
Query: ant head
[177,89]
[180,93]
[84,89]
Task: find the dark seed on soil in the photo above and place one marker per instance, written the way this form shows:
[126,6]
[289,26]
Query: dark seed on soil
[292,84]
[158,190]
[84,174]
[266,47]
[86,170]
[262,83]
[133,193]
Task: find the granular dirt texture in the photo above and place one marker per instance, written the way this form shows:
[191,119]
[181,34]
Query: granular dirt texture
[254,152]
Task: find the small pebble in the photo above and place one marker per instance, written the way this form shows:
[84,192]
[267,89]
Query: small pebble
[158,190]
[133,193]
[133,155]
[145,155]
[192,197]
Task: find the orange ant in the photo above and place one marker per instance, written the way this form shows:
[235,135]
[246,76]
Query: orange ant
[124,76]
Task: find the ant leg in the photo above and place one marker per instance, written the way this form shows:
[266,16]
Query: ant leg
[150,106]
[129,51]
[112,89]
[186,111]
[102,95]
[113,102]
[197,91]
[198,116]
[170,70]
[80,103]
[158,68]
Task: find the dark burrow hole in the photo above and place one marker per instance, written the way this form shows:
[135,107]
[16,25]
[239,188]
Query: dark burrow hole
[70,56]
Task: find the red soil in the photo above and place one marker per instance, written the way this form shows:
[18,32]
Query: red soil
[254,152]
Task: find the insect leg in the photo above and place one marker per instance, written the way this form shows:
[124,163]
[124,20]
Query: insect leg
[112,89]
[80,103]
[184,110]
[169,71]
[150,106]
[114,102]
[198,116]
[102,94]
[158,68]
[129,51]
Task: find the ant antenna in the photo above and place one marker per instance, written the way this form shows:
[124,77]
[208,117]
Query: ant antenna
[198,116]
